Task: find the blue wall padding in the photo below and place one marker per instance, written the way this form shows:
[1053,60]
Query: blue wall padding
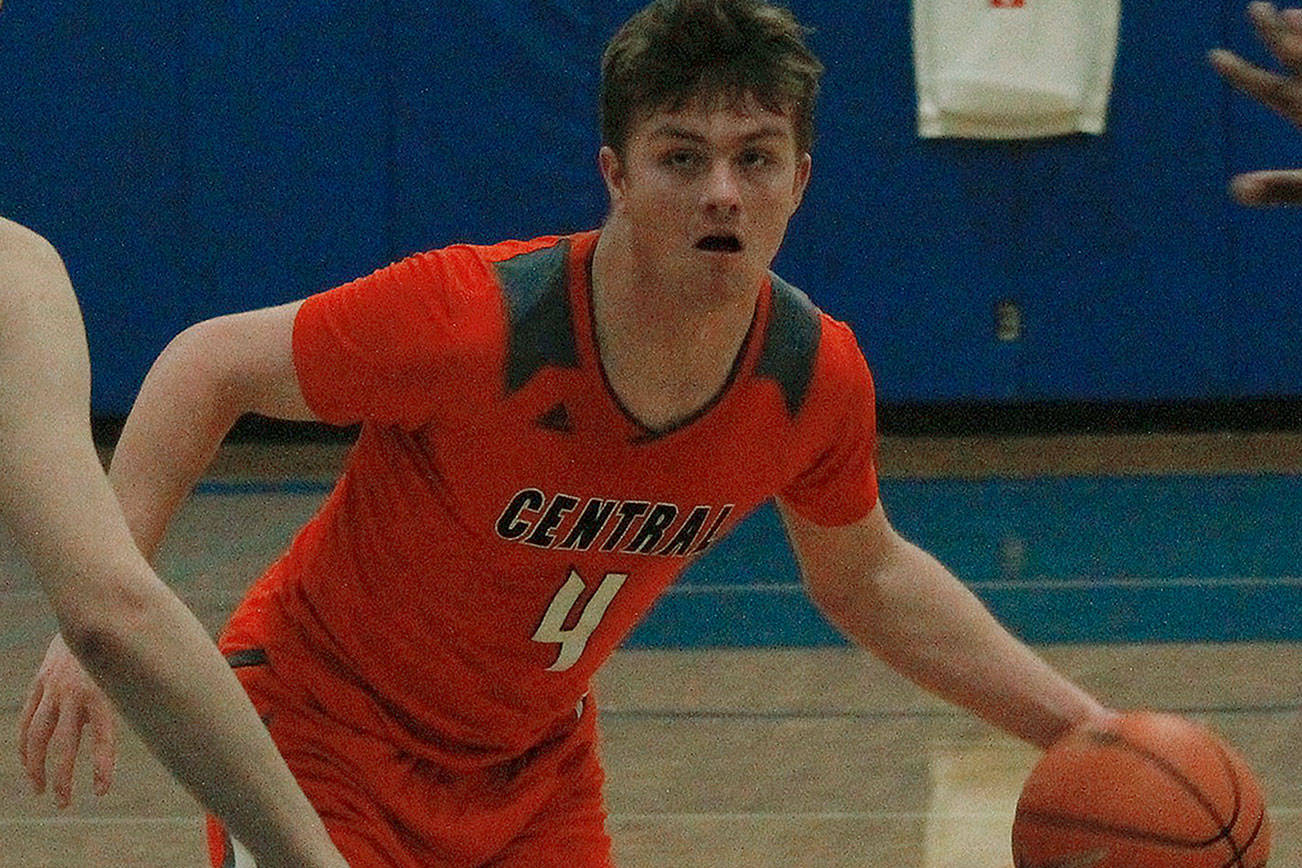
[285,147]
[89,129]
[494,122]
[204,159]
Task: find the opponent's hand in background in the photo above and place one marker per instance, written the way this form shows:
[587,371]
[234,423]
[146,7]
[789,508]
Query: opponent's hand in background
[61,702]
[1281,32]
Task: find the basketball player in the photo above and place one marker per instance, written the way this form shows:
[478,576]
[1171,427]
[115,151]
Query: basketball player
[143,646]
[1281,31]
[551,431]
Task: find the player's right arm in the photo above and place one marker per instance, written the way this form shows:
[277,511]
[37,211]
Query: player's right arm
[205,380]
[368,350]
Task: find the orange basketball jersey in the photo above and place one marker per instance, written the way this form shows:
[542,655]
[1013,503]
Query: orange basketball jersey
[502,523]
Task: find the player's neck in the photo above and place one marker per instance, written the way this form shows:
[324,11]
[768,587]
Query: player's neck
[667,348]
[666,305]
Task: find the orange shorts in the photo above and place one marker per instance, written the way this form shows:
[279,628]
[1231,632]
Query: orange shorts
[387,809]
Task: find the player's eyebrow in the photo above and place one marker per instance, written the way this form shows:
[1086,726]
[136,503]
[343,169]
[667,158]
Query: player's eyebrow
[675,132]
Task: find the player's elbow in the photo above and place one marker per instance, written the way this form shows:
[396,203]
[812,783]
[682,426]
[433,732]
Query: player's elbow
[197,366]
[105,628]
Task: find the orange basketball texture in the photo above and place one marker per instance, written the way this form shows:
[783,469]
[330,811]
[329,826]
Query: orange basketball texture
[1148,790]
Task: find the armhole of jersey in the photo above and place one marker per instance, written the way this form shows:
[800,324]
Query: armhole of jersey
[298,355]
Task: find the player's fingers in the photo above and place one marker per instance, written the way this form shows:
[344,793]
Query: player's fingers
[34,694]
[1278,187]
[1276,33]
[1271,89]
[104,749]
[64,745]
[44,720]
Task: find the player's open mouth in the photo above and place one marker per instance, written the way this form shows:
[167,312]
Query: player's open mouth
[720,244]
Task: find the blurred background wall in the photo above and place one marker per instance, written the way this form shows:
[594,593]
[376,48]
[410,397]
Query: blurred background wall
[191,159]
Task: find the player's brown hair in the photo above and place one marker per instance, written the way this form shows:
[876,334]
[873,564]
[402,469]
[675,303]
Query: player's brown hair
[675,51]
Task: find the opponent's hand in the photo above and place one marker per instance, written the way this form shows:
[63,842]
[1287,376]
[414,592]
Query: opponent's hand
[1281,32]
[63,699]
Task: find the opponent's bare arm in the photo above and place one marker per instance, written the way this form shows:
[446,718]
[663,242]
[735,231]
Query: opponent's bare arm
[894,599]
[1281,32]
[140,642]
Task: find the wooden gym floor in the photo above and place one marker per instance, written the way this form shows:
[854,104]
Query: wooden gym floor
[776,757]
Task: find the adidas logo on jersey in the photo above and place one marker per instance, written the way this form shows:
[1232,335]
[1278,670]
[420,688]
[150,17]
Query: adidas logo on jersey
[570,523]
[556,419]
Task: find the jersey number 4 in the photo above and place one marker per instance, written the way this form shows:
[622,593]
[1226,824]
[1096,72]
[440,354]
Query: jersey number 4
[575,639]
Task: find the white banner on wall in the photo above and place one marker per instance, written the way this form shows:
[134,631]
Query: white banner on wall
[1013,69]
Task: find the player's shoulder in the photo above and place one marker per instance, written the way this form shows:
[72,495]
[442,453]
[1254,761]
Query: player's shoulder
[516,292]
[470,280]
[36,296]
[805,348]
[535,281]
[516,267]
[19,240]
[504,251]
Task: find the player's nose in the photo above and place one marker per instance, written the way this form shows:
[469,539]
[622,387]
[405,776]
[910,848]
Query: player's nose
[721,192]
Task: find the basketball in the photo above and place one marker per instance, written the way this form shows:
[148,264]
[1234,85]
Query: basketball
[1148,790]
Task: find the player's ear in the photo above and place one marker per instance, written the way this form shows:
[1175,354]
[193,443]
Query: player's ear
[613,173]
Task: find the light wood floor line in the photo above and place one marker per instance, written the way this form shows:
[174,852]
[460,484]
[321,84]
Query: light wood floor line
[1276,812]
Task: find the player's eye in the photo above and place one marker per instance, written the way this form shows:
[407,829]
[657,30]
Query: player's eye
[682,160]
[756,159]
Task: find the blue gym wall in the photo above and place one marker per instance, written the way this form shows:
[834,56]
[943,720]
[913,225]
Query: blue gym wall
[194,159]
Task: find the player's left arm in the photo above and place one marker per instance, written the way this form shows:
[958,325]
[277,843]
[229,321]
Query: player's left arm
[899,602]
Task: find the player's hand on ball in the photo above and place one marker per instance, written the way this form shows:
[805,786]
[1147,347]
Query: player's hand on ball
[62,701]
[1145,790]
[1281,32]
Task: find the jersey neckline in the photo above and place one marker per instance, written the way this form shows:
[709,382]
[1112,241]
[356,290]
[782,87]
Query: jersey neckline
[585,329]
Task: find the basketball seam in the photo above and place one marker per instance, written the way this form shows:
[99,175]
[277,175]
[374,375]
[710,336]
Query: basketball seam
[1224,833]
[1247,845]
[1196,792]
[1238,806]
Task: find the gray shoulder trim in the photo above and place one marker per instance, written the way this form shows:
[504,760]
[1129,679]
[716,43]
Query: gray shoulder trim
[790,343]
[540,329]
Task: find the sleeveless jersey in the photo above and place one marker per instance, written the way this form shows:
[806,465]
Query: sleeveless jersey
[502,523]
